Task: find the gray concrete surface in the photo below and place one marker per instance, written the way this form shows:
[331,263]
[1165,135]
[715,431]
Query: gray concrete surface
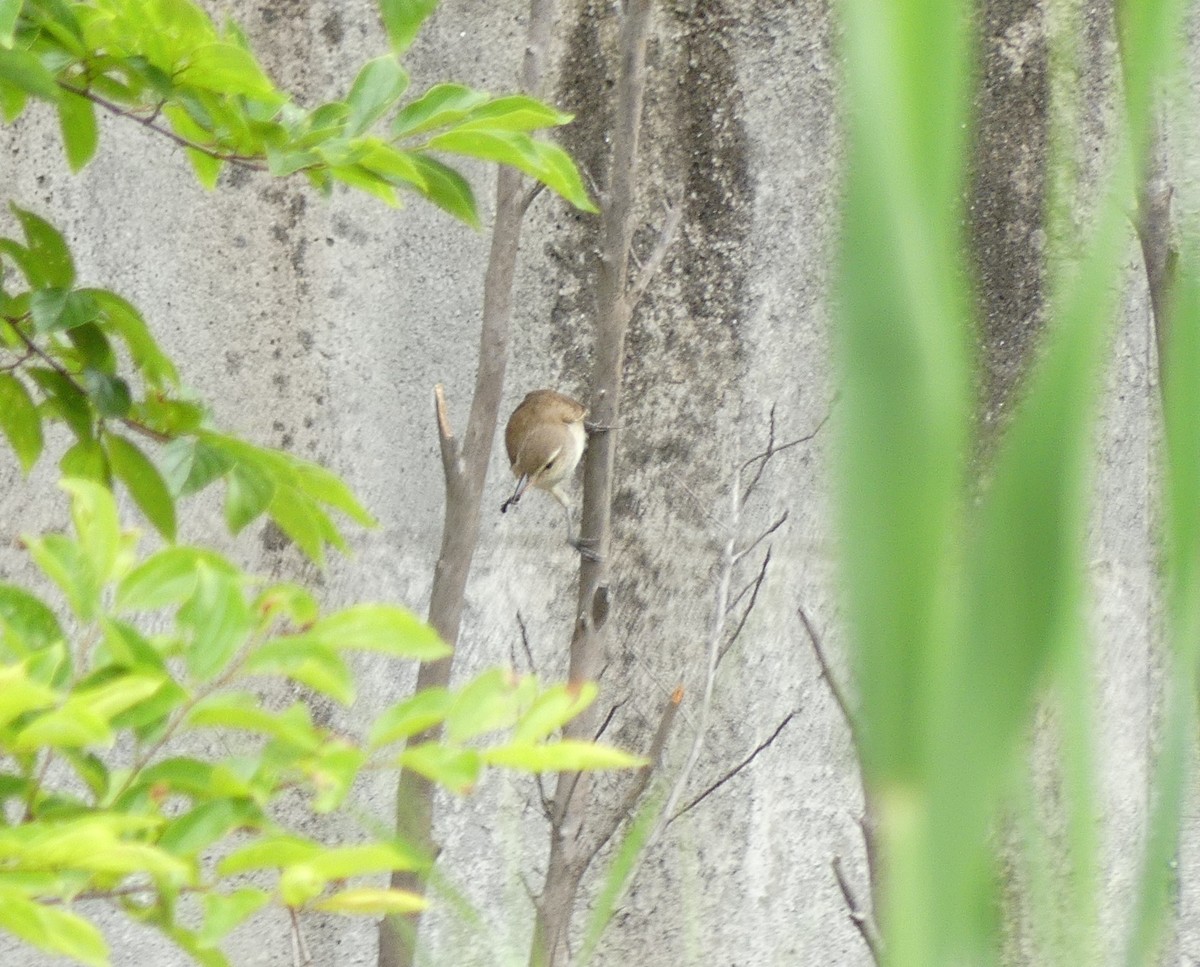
[323,326]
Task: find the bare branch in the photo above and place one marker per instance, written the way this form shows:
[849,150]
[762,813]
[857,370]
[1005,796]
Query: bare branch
[642,781]
[531,196]
[301,956]
[861,920]
[761,537]
[648,271]
[756,585]
[827,673]
[762,459]
[607,720]
[765,744]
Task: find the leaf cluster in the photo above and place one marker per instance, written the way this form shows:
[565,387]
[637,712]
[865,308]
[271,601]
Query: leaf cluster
[103,803]
[166,64]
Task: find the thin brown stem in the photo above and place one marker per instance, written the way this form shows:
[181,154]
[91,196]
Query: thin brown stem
[150,123]
[758,749]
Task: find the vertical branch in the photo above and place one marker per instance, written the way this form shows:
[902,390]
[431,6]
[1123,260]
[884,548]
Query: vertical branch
[569,853]
[465,477]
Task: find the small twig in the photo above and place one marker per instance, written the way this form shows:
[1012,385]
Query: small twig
[531,196]
[826,672]
[764,458]
[766,743]
[451,455]
[150,123]
[607,720]
[525,641]
[861,921]
[300,955]
[756,585]
[54,364]
[658,253]
[761,537]
[654,755]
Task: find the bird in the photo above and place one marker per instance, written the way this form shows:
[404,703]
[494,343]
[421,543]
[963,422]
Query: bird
[545,437]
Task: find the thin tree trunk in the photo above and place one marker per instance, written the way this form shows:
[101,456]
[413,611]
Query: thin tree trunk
[465,468]
[570,851]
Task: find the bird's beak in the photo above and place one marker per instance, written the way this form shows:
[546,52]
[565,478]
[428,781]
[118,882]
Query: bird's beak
[522,483]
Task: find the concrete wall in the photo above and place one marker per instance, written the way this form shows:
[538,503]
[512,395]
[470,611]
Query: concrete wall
[324,325]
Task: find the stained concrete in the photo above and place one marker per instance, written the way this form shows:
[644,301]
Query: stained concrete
[323,325]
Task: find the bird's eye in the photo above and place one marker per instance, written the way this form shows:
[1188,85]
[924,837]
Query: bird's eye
[549,464]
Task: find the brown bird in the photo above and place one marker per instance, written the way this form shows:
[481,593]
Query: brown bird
[545,438]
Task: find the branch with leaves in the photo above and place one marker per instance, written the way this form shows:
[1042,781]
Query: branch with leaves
[169,68]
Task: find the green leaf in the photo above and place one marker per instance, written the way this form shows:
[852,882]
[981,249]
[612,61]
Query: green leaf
[167,578]
[380,627]
[270,852]
[223,912]
[228,69]
[488,703]
[110,699]
[47,250]
[24,70]
[10,10]
[569,754]
[325,486]
[52,929]
[190,465]
[248,492]
[442,104]
[341,862]
[57,309]
[403,18]
[77,119]
[380,82]
[395,165]
[65,563]
[516,112]
[219,620]
[20,694]
[206,824]
[109,394]
[66,401]
[94,513]
[426,708]
[13,101]
[29,617]
[20,421]
[333,774]
[297,518]
[447,189]
[306,661]
[372,901]
[243,711]
[290,600]
[456,769]
[93,347]
[144,483]
[122,318]
[68,726]
[552,709]
[544,161]
[86,460]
